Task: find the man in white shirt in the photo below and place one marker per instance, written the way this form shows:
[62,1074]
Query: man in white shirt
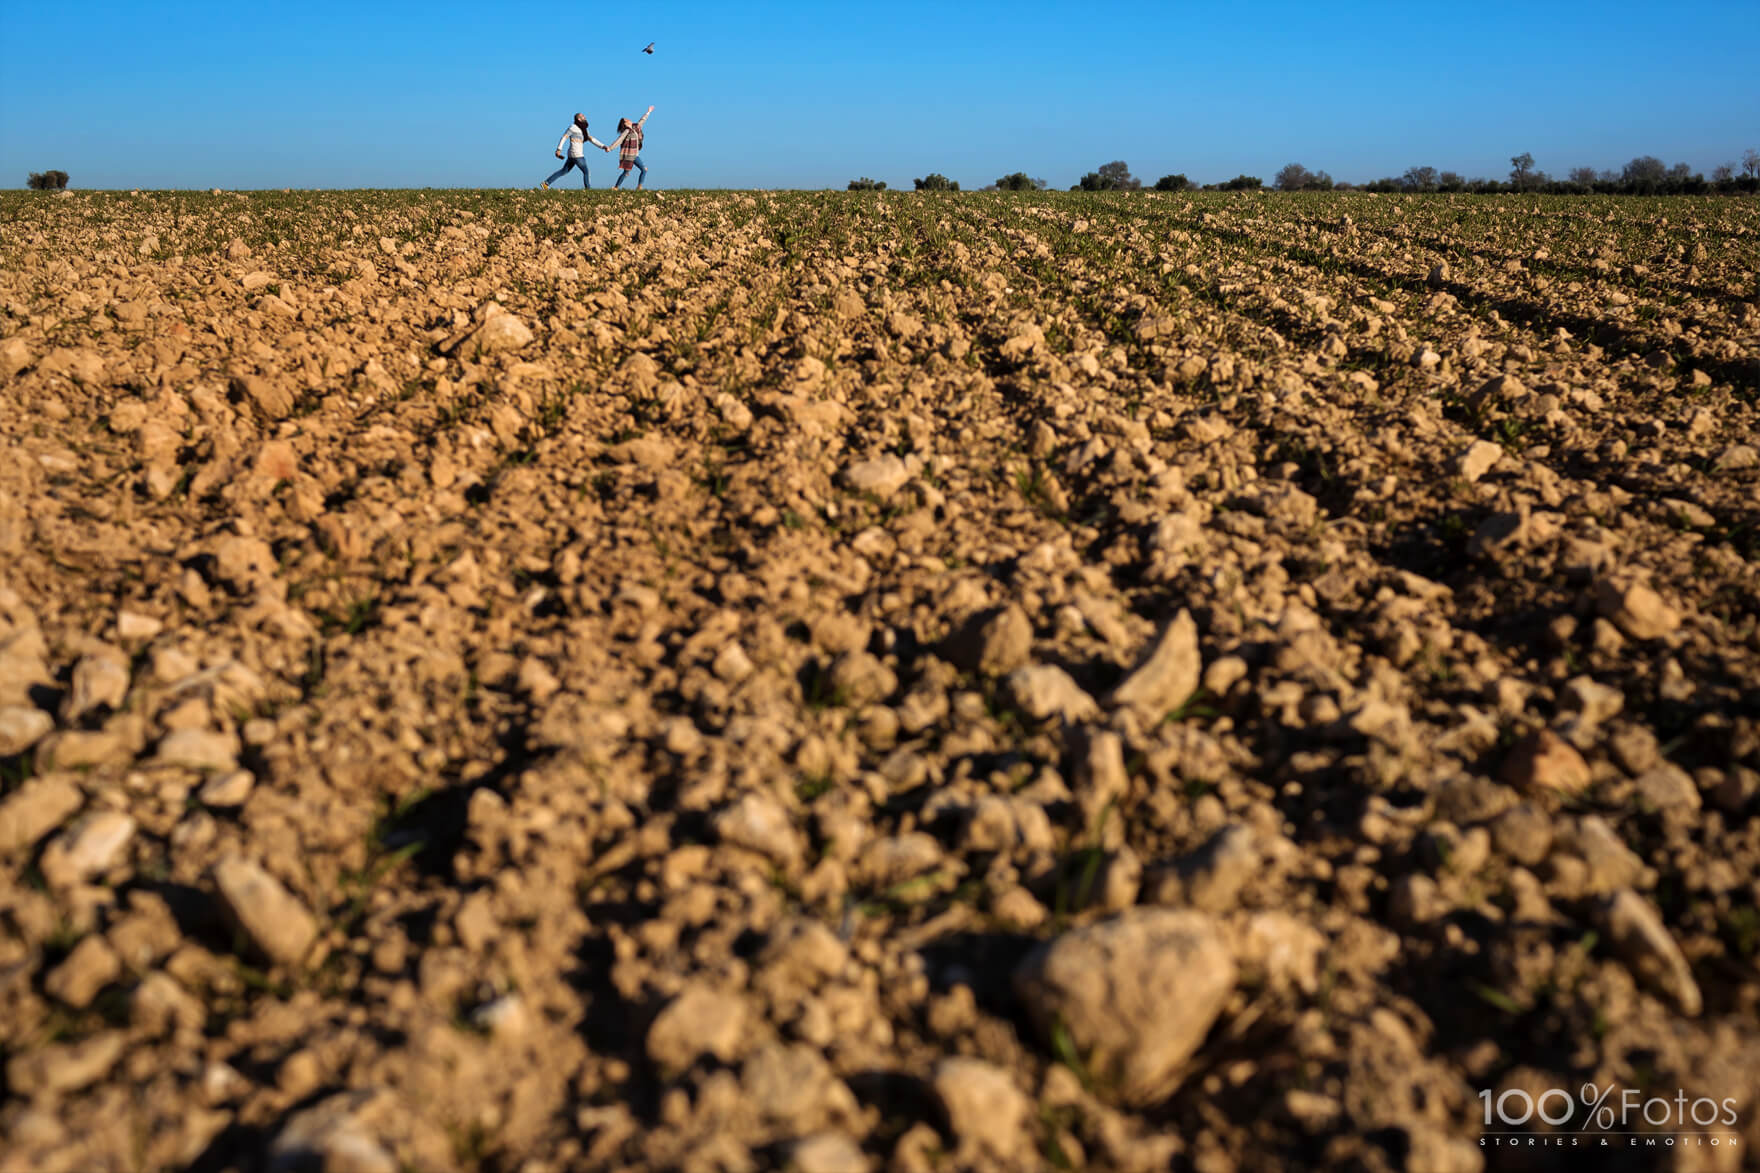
[575,138]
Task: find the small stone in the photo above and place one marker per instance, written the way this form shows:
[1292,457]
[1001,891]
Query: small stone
[91,847]
[1612,865]
[1635,609]
[15,356]
[35,809]
[133,627]
[91,966]
[1018,908]
[1545,761]
[227,790]
[882,477]
[1415,899]
[1043,691]
[759,823]
[1168,676]
[702,1020]
[501,332]
[859,678]
[1212,878]
[1134,995]
[828,1152]
[274,920]
[1668,787]
[1524,833]
[732,664]
[1595,702]
[271,398]
[199,749]
[333,1136]
[475,922]
[990,1116]
[1636,931]
[993,642]
[22,726]
[100,682]
[1477,460]
[1737,458]
[1281,949]
[64,1067]
[793,1086]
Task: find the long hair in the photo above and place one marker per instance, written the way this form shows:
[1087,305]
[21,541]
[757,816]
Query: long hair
[623,124]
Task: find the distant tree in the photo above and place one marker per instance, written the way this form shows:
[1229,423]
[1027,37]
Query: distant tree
[1419,179]
[1020,181]
[1175,182]
[1094,181]
[1751,163]
[1521,170]
[1244,183]
[1644,175]
[866,184]
[1583,177]
[935,181]
[1451,181]
[1292,177]
[47,181]
[1120,175]
[1723,173]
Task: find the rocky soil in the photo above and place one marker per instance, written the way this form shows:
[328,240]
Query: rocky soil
[892,682]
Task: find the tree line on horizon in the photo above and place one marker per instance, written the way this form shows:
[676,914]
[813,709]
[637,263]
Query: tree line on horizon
[1644,175]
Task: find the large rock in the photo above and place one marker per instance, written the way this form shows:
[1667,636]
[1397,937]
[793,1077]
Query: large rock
[277,924]
[1168,676]
[1134,995]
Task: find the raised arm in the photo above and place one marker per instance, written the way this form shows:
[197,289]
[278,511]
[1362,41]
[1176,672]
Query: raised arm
[644,117]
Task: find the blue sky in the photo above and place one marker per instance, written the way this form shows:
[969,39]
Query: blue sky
[475,94]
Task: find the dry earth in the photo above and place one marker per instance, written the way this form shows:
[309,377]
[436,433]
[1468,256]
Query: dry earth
[742,681]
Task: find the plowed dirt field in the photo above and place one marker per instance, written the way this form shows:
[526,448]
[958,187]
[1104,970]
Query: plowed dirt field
[738,681]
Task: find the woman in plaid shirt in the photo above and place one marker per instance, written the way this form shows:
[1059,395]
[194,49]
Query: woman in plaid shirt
[629,144]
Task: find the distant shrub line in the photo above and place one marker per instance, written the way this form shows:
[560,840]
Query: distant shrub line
[1645,175]
[47,181]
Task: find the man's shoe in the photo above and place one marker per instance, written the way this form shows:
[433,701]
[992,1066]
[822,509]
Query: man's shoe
[543,187]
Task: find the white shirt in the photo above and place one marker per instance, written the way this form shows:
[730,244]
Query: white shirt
[576,138]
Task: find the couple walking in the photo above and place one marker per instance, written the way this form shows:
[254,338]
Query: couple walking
[628,143]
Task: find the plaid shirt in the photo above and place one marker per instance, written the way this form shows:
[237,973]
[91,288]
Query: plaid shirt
[629,144]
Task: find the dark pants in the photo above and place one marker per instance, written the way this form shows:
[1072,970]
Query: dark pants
[573,161]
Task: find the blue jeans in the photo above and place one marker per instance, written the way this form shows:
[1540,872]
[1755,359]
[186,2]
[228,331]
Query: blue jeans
[640,178]
[573,161]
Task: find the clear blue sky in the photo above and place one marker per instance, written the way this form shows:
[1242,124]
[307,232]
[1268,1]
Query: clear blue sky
[386,93]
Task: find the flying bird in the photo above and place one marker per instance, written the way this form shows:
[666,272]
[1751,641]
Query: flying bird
[650,49]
